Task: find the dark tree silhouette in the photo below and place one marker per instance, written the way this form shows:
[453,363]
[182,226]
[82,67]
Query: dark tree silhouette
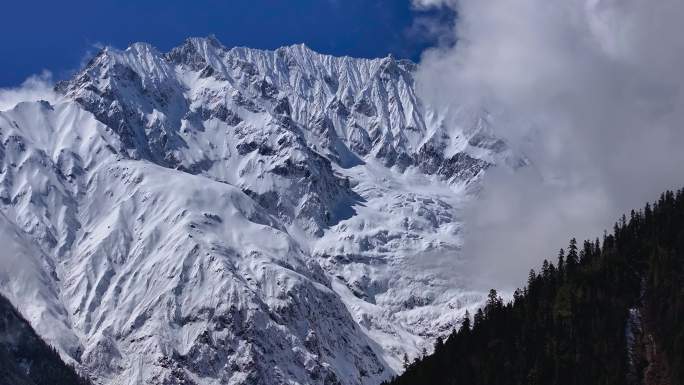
[611,313]
[25,359]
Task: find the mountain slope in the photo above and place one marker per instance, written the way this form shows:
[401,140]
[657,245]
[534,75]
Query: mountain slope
[144,248]
[213,215]
[608,313]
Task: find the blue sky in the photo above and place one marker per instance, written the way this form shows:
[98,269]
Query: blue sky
[59,35]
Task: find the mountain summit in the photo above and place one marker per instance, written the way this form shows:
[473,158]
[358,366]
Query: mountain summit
[237,216]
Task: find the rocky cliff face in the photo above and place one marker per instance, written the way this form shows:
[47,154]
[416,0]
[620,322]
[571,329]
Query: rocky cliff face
[213,215]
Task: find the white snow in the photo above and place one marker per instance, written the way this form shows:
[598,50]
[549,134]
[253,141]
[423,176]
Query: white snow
[217,215]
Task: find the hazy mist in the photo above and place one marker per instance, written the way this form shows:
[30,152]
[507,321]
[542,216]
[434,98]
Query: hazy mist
[590,91]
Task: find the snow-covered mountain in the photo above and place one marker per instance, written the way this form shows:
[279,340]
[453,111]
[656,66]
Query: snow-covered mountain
[238,216]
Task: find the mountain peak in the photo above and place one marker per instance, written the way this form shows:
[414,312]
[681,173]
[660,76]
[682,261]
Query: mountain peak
[304,188]
[142,48]
[206,41]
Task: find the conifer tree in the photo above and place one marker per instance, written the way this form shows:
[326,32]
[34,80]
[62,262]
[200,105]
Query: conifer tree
[465,324]
[405,362]
[567,326]
[439,344]
[479,317]
[572,258]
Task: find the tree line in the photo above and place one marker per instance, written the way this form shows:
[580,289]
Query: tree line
[606,311]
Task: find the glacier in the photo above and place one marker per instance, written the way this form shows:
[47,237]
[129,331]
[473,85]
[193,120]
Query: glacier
[214,215]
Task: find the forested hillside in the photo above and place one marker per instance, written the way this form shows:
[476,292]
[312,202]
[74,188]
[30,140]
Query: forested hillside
[606,311]
[24,358]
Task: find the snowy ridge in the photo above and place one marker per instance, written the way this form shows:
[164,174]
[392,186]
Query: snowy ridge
[214,215]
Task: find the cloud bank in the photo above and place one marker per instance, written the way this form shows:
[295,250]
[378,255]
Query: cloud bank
[591,91]
[36,87]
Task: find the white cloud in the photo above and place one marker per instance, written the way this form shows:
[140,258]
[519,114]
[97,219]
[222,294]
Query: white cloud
[36,87]
[422,4]
[590,89]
